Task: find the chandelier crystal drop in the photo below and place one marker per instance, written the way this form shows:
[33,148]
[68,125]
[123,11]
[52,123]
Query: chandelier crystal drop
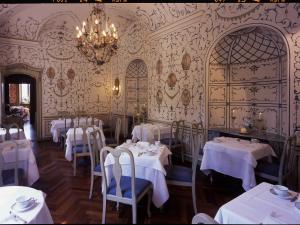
[97,38]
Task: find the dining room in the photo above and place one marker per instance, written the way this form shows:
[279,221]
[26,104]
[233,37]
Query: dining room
[150,113]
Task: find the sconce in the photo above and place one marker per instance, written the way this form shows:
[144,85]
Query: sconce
[116,87]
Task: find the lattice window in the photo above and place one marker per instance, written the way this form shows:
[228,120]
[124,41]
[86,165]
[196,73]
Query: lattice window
[248,45]
[137,68]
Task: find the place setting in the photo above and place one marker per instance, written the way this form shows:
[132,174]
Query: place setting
[284,193]
[21,205]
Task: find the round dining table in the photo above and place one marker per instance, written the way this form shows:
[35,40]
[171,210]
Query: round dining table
[38,213]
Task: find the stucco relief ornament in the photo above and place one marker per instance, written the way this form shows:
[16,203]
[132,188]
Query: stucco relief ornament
[159,68]
[61,84]
[51,74]
[171,82]
[159,99]
[186,63]
[71,75]
[186,98]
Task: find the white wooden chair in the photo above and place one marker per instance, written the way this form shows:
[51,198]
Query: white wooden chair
[79,147]
[185,176]
[95,145]
[202,218]
[115,141]
[123,189]
[13,176]
[175,141]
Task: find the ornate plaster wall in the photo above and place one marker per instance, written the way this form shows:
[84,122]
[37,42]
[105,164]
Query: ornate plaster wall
[177,55]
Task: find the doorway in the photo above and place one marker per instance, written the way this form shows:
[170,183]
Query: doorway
[20,100]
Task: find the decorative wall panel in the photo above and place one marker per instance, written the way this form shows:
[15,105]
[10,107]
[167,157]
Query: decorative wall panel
[249,88]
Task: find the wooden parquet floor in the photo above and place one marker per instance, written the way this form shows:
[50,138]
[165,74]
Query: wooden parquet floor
[67,196]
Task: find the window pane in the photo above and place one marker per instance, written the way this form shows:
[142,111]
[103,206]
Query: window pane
[25,93]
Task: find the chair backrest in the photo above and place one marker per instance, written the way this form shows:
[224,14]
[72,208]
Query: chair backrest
[177,130]
[202,218]
[158,131]
[95,145]
[96,121]
[196,132]
[78,141]
[11,136]
[14,165]
[118,130]
[288,158]
[117,169]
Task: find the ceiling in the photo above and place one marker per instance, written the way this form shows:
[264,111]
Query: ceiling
[18,20]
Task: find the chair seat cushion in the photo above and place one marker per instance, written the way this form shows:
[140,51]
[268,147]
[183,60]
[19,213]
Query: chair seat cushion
[109,141]
[166,141]
[140,186]
[98,169]
[8,176]
[179,173]
[268,168]
[79,149]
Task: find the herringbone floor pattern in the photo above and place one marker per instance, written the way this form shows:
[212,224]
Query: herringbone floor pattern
[67,196]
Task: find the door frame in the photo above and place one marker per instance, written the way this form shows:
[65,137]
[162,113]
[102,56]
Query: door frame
[35,73]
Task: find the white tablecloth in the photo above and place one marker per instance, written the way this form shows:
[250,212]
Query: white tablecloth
[37,215]
[13,133]
[147,167]
[235,158]
[26,158]
[79,134]
[57,125]
[149,132]
[258,206]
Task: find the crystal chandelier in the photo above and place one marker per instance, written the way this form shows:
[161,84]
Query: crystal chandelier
[97,39]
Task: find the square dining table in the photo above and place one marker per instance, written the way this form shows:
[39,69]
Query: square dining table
[149,132]
[149,162]
[58,125]
[235,157]
[27,160]
[13,134]
[259,206]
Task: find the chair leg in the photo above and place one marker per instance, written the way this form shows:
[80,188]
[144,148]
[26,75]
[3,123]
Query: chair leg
[149,203]
[104,210]
[134,213]
[118,206]
[182,155]
[194,198]
[74,165]
[92,185]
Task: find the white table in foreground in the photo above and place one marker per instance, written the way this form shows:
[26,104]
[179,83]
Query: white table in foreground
[27,159]
[235,158]
[36,215]
[13,133]
[148,132]
[147,167]
[258,206]
[78,136]
[57,125]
